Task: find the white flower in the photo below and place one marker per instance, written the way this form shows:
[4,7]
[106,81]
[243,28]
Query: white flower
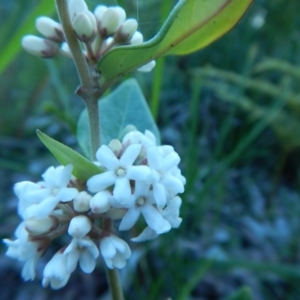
[25,251]
[170,213]
[79,226]
[142,203]
[55,187]
[41,226]
[55,272]
[83,251]
[115,251]
[160,177]
[85,26]
[119,172]
[76,7]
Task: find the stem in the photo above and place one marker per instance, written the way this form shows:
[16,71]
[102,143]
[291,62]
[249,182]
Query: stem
[114,284]
[89,89]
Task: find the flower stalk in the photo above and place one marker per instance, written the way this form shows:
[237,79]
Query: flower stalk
[89,89]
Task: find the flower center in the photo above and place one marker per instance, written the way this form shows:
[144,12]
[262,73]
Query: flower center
[120,172]
[55,191]
[140,201]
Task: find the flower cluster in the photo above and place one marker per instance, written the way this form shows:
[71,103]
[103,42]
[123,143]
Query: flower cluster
[138,178]
[98,32]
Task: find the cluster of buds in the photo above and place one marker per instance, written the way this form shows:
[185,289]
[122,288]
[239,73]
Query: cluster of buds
[98,32]
[139,178]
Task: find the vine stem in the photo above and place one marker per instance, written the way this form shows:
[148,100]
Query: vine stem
[90,91]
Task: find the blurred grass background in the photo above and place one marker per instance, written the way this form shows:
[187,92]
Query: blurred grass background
[232,111]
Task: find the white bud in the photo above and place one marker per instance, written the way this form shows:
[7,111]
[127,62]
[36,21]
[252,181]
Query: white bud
[85,26]
[137,38]
[100,202]
[50,29]
[112,18]
[79,227]
[99,11]
[41,226]
[39,47]
[147,67]
[116,146]
[126,31]
[81,202]
[114,251]
[76,7]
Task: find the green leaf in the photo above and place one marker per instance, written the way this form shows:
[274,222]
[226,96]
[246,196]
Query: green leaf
[192,25]
[243,293]
[83,169]
[13,46]
[125,106]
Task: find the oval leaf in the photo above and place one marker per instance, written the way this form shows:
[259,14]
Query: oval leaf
[83,169]
[126,105]
[192,25]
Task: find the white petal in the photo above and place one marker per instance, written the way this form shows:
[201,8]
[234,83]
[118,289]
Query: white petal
[154,157]
[130,155]
[87,262]
[42,209]
[122,190]
[172,183]
[107,248]
[154,219]
[28,271]
[170,161]
[138,172]
[107,158]
[65,176]
[147,234]
[101,181]
[67,194]
[119,261]
[72,260]
[147,67]
[129,218]
[159,193]
[141,188]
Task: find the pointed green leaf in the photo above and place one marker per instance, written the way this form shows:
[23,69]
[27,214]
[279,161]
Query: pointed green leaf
[192,25]
[83,169]
[126,105]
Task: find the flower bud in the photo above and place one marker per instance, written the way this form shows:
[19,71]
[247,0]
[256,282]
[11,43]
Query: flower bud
[41,226]
[50,29]
[115,146]
[76,7]
[39,47]
[137,38]
[79,227]
[100,202]
[85,26]
[112,18]
[147,67]
[99,11]
[126,31]
[81,202]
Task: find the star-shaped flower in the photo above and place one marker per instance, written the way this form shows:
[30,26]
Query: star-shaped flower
[119,172]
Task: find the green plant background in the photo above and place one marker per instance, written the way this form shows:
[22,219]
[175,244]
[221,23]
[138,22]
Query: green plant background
[232,111]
